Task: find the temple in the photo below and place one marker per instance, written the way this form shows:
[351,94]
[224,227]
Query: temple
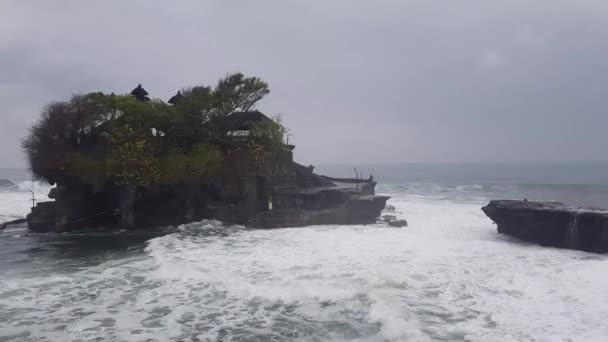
[140,93]
[276,193]
[245,174]
[175,98]
[239,124]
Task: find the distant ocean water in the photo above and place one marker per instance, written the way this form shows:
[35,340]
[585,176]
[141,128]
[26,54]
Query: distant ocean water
[447,277]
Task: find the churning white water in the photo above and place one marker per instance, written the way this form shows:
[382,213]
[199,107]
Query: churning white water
[447,277]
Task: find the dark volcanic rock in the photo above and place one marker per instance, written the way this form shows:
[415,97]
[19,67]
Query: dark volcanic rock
[366,186]
[281,218]
[357,209]
[275,193]
[398,223]
[13,222]
[42,217]
[393,221]
[389,218]
[552,224]
[364,209]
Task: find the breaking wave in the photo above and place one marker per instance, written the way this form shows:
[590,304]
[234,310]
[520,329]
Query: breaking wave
[447,277]
[10,185]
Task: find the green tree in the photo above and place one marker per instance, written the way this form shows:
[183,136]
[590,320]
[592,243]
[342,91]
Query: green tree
[235,92]
[201,161]
[206,106]
[89,170]
[270,133]
[50,136]
[62,129]
[98,137]
[196,106]
[267,137]
[133,159]
[204,160]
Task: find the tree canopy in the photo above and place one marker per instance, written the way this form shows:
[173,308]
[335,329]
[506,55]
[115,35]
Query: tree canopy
[129,139]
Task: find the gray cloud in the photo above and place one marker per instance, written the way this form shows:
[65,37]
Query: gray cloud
[356,81]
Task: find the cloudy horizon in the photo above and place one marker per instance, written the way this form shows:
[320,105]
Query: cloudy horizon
[355,81]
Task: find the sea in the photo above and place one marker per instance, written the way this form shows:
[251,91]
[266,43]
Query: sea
[448,276]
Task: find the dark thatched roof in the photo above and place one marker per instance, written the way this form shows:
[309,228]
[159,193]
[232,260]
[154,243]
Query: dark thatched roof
[140,93]
[244,121]
[176,98]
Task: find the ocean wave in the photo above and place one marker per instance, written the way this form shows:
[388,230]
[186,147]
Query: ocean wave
[7,184]
[11,185]
[448,276]
[36,186]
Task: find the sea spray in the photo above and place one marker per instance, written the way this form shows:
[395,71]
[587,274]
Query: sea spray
[448,276]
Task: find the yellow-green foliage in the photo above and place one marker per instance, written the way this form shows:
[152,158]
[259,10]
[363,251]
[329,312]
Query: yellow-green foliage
[201,161]
[133,161]
[267,138]
[89,170]
[99,138]
[257,152]
[270,133]
[204,160]
[173,167]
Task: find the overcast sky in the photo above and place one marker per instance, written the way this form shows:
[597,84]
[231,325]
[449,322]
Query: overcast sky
[355,80]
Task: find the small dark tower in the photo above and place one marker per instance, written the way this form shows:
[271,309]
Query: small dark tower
[140,94]
[176,98]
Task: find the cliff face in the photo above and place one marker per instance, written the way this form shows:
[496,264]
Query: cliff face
[551,224]
[274,193]
[320,207]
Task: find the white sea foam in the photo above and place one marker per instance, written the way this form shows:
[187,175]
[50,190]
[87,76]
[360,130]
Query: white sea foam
[16,204]
[25,186]
[36,186]
[448,276]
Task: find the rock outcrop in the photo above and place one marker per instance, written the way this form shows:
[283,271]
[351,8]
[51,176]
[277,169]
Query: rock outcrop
[130,162]
[42,217]
[355,208]
[366,186]
[393,221]
[276,193]
[398,223]
[12,222]
[552,224]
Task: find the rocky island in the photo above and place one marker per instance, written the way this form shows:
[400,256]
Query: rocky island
[552,224]
[132,162]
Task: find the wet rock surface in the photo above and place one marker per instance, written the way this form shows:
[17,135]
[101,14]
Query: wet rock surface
[280,193]
[389,218]
[355,209]
[551,224]
[392,220]
[42,217]
[398,223]
[13,222]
